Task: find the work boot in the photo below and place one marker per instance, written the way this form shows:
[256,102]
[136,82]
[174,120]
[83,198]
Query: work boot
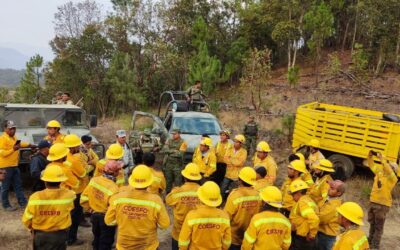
[76,242]
[10,209]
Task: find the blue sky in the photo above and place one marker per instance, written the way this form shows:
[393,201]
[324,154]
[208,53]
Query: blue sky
[27,25]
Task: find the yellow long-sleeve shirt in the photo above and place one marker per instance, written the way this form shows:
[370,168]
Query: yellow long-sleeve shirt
[182,199]
[79,170]
[241,205]
[49,210]
[8,156]
[268,231]
[270,166]
[328,217]
[59,138]
[304,216]
[352,239]
[287,197]
[159,184]
[234,162]
[137,214]
[220,150]
[261,184]
[207,163]
[99,171]
[96,196]
[205,228]
[91,159]
[313,159]
[319,190]
[384,181]
[72,182]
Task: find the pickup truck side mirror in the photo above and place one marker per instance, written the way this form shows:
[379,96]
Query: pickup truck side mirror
[93,121]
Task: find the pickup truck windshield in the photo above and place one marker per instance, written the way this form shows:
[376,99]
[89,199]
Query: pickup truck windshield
[196,126]
[38,118]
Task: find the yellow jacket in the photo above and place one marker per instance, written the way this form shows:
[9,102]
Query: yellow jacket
[261,184]
[268,231]
[96,196]
[241,205]
[207,163]
[328,217]
[182,199]
[206,228]
[137,214]
[159,184]
[221,149]
[307,178]
[9,157]
[304,216]
[352,239]
[382,194]
[72,182]
[49,210]
[319,190]
[59,138]
[287,197]
[270,166]
[313,159]
[99,171]
[234,162]
[92,157]
[79,170]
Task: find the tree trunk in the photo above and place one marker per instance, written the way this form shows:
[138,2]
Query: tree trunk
[398,50]
[355,29]
[380,61]
[345,35]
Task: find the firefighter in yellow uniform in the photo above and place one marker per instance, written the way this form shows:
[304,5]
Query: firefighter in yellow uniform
[303,217]
[319,191]
[269,229]
[88,154]
[235,159]
[242,203]
[53,132]
[351,218]
[206,227]
[315,155]
[206,159]
[95,199]
[73,143]
[137,213]
[184,199]
[263,158]
[114,152]
[380,199]
[47,214]
[329,226]
[159,184]
[223,146]
[304,176]
[261,181]
[295,169]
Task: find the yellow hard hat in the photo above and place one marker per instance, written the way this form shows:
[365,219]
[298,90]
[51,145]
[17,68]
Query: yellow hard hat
[209,194]
[115,152]
[206,141]
[272,196]
[301,156]
[72,141]
[191,172]
[298,165]
[325,165]
[248,175]
[297,185]
[240,138]
[263,146]
[57,151]
[314,143]
[225,131]
[141,177]
[53,124]
[53,173]
[351,211]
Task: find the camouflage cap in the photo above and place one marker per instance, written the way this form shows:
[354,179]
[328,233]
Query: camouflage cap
[176,130]
[147,131]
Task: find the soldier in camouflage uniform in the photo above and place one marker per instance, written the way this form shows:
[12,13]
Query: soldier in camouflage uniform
[251,133]
[174,150]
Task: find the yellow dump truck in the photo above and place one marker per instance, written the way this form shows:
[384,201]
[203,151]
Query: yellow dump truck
[347,134]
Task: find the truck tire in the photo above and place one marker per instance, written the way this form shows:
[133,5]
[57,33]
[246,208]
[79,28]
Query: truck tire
[344,166]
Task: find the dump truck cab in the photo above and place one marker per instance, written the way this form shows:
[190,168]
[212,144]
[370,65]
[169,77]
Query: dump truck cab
[31,120]
[347,134]
[175,112]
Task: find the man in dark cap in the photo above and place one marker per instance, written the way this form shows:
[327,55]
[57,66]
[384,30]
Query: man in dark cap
[87,152]
[38,164]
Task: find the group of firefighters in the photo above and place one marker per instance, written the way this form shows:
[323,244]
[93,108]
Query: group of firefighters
[307,212]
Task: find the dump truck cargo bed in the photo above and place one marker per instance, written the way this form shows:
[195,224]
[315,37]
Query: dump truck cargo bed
[346,130]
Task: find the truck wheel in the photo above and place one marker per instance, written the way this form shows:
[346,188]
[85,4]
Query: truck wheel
[344,166]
